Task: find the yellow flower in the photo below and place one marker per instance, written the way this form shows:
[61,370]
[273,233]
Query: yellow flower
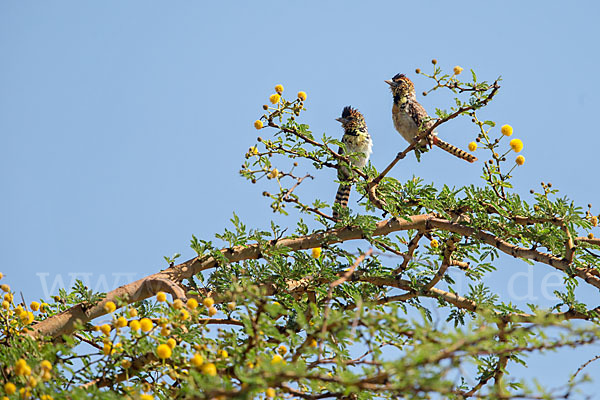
[313,343]
[197,360]
[126,364]
[171,343]
[520,160]
[5,287]
[21,368]
[46,397]
[209,369]
[457,70]
[594,220]
[434,243]
[270,392]
[192,304]
[506,130]
[212,311]
[46,365]
[109,307]
[1,275]
[32,382]
[165,331]
[44,307]
[161,296]
[231,306]
[10,388]
[46,376]
[146,396]
[282,350]
[208,302]
[105,329]
[8,297]
[146,324]
[276,359]
[34,305]
[258,124]
[132,312]
[223,353]
[5,305]
[26,317]
[316,252]
[590,235]
[472,146]
[163,351]
[177,304]
[135,325]
[273,174]
[274,98]
[279,89]
[121,322]
[302,95]
[516,145]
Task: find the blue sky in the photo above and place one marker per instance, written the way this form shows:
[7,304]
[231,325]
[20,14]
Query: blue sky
[123,124]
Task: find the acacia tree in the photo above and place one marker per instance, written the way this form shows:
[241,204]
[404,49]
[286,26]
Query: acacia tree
[256,315]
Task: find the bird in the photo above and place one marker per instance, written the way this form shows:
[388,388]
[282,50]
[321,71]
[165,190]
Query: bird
[411,119]
[357,141]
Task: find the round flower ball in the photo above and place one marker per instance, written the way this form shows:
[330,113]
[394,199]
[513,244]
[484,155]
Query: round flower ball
[146,324]
[163,351]
[110,307]
[506,130]
[274,98]
[316,252]
[520,160]
[516,145]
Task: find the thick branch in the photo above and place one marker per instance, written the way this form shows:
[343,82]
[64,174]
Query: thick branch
[64,322]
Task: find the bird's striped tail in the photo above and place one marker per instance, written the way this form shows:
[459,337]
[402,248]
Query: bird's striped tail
[455,151]
[341,197]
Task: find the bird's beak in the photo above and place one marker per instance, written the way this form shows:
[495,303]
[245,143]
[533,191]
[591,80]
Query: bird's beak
[390,82]
[341,120]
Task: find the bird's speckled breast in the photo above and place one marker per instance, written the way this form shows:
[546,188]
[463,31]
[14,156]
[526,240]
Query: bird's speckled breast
[404,123]
[360,143]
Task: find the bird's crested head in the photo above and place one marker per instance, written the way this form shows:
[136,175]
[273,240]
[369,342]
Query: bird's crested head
[401,85]
[351,118]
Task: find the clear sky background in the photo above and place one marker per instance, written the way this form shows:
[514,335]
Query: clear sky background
[123,124]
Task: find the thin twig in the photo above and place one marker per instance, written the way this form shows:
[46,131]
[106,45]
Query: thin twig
[448,250]
[583,366]
[346,275]
[412,246]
